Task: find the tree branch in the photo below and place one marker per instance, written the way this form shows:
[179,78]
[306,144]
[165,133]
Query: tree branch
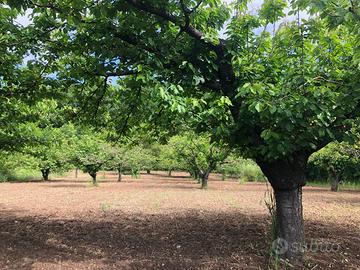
[118,73]
[191,31]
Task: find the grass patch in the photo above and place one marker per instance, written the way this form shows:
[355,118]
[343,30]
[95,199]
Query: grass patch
[342,186]
[20,175]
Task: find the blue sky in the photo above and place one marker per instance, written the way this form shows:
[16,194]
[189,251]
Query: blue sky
[254,5]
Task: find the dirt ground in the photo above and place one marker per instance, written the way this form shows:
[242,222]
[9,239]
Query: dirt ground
[161,222]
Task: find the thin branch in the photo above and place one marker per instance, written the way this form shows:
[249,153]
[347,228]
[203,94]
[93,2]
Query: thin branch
[131,111]
[98,101]
[118,73]
[319,78]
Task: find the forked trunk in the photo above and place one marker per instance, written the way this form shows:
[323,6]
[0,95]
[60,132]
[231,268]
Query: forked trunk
[45,174]
[287,177]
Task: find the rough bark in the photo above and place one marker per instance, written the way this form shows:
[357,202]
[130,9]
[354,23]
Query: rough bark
[45,174]
[289,225]
[287,177]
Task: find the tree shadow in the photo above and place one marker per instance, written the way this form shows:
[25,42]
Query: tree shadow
[74,185]
[166,175]
[189,241]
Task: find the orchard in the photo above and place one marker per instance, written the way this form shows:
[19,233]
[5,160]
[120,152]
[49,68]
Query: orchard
[213,92]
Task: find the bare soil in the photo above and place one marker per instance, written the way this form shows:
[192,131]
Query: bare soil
[161,222]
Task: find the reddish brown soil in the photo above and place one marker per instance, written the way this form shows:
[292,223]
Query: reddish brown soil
[160,222]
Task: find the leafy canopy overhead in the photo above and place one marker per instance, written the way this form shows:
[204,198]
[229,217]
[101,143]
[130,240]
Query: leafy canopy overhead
[275,94]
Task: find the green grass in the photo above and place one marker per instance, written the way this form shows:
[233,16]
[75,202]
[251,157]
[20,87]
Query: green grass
[20,175]
[344,186]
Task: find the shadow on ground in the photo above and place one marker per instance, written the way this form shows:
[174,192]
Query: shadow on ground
[193,240]
[119,241]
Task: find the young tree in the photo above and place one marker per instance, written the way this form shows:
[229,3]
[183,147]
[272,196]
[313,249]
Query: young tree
[50,148]
[288,93]
[199,153]
[137,159]
[337,162]
[91,154]
[130,158]
[168,159]
[117,160]
[49,159]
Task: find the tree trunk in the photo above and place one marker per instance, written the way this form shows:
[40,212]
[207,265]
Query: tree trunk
[93,176]
[169,173]
[148,171]
[45,174]
[334,179]
[287,177]
[204,183]
[119,175]
[335,184]
[289,225]
[204,180]
[76,172]
[196,176]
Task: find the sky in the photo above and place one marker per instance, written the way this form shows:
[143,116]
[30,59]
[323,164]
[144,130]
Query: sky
[254,5]
[25,20]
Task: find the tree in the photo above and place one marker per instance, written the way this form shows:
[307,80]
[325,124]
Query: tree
[117,160]
[91,154]
[24,82]
[199,153]
[285,94]
[51,152]
[131,158]
[338,161]
[48,138]
[137,159]
[169,160]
